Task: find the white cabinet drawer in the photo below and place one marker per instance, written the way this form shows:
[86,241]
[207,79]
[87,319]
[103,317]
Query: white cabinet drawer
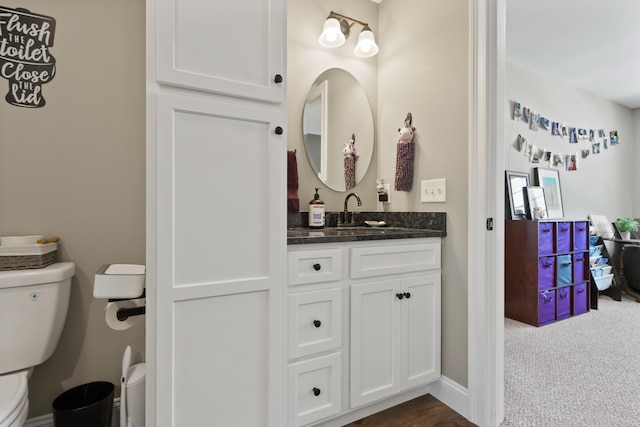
[315,266]
[314,389]
[370,261]
[315,322]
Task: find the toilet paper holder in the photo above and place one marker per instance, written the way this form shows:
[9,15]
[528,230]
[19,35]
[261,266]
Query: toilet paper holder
[124,313]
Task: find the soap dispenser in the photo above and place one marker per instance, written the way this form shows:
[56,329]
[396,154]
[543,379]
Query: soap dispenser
[316,211]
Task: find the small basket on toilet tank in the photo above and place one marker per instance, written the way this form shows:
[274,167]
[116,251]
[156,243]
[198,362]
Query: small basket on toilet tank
[119,281]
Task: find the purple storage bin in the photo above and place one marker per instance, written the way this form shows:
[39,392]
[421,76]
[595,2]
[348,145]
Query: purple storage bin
[580,262]
[563,303]
[546,307]
[564,270]
[580,236]
[546,272]
[580,299]
[563,236]
[545,238]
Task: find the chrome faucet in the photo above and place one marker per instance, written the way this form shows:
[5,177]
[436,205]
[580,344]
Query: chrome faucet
[346,210]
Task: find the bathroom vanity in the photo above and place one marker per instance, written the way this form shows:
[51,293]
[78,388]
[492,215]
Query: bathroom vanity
[362,320]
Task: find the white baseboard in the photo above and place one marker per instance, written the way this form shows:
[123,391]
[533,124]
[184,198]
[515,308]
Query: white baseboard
[47,420]
[451,394]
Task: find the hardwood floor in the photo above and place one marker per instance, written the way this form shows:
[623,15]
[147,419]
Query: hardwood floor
[424,411]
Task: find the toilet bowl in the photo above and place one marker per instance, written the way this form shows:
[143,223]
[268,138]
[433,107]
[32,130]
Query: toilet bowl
[14,402]
[35,303]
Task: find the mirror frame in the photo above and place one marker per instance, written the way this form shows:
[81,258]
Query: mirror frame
[513,190]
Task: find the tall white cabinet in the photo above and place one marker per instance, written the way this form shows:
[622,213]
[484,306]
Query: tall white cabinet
[216,215]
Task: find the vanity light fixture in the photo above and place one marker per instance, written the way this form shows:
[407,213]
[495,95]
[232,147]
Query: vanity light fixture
[337,29]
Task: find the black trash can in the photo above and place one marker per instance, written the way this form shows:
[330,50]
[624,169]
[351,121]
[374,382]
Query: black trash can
[86,405]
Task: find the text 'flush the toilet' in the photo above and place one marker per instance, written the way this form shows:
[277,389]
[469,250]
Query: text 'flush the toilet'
[119,281]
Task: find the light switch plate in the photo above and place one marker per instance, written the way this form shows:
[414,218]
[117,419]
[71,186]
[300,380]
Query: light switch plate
[433,190]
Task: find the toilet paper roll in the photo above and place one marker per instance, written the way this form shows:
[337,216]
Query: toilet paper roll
[111,314]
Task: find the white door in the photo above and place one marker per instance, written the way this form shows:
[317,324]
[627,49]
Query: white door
[375,341]
[421,330]
[220,248]
[229,47]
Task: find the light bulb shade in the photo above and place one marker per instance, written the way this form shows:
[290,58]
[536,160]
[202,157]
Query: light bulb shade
[331,34]
[366,46]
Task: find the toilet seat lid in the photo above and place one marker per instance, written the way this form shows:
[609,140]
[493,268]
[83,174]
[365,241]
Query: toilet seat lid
[13,390]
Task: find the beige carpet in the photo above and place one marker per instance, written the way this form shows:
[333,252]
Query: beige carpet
[583,371]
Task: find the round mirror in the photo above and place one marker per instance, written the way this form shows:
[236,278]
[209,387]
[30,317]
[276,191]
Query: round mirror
[337,113]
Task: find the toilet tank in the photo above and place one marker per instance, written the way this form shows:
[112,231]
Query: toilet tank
[33,310]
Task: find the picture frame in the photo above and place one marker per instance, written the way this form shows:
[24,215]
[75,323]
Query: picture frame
[549,180]
[536,202]
[515,199]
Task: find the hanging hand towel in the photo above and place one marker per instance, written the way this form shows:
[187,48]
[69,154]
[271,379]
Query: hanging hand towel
[349,172]
[350,155]
[404,156]
[293,201]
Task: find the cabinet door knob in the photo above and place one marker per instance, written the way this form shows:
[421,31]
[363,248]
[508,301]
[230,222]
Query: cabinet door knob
[279,130]
[317,267]
[277,78]
[400,296]
[316,391]
[407,295]
[317,323]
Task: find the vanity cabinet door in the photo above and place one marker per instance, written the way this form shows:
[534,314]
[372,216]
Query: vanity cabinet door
[228,47]
[375,341]
[421,330]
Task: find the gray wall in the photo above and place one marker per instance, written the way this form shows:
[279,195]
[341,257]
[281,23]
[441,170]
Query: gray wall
[605,183]
[75,169]
[422,68]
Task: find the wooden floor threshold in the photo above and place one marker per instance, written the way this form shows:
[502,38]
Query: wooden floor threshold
[424,411]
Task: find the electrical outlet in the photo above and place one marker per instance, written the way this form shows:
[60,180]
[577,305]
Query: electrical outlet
[433,190]
[386,196]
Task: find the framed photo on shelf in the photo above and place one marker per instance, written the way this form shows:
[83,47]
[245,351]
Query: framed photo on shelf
[536,203]
[549,179]
[516,182]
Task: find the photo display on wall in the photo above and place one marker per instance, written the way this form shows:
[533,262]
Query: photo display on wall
[596,138]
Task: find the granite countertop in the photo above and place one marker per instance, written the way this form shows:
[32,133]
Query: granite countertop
[400,225]
[297,236]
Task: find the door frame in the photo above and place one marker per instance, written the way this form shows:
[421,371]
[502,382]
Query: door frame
[485,327]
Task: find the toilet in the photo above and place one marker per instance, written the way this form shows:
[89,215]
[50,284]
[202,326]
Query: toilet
[33,304]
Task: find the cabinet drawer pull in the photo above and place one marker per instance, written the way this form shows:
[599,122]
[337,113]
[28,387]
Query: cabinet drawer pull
[316,391]
[400,296]
[279,130]
[317,267]
[317,323]
[277,78]
[407,295]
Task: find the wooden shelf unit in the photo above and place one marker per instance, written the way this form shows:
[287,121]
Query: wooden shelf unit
[546,270]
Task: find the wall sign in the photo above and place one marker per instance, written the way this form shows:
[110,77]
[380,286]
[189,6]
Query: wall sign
[25,60]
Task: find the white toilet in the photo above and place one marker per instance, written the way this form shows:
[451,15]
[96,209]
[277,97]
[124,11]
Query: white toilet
[33,310]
